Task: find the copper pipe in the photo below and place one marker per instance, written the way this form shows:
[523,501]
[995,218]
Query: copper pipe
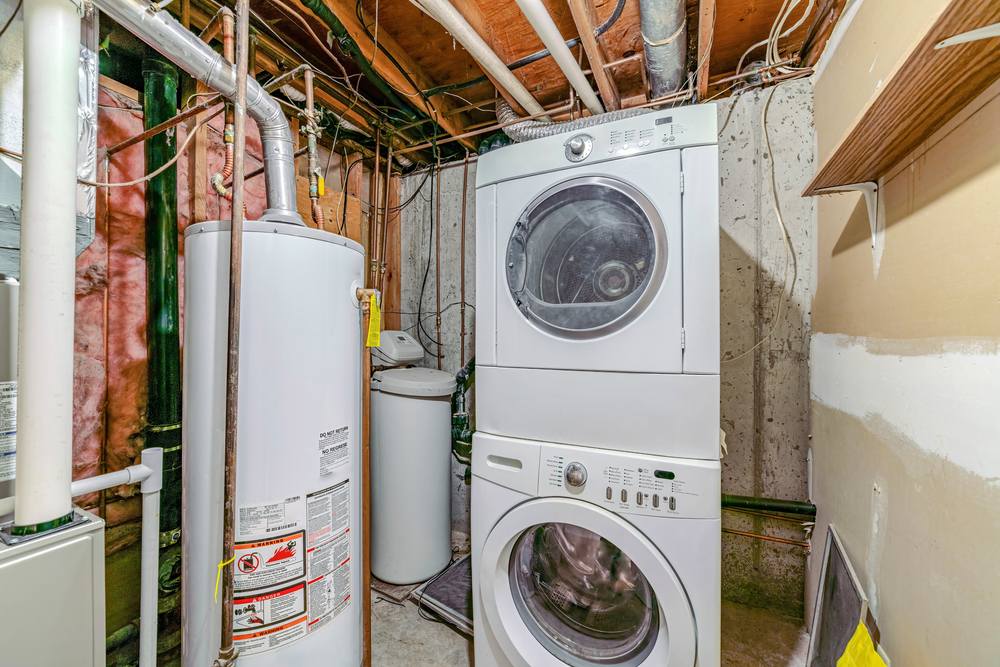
[227,651]
[740,510]
[484,130]
[213,27]
[465,193]
[623,61]
[184,115]
[385,220]
[437,270]
[311,131]
[373,213]
[366,541]
[165,125]
[805,545]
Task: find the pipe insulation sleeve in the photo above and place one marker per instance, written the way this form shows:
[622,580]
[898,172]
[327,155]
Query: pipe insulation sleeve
[664,42]
[164,33]
[48,262]
[540,19]
[532,129]
[445,13]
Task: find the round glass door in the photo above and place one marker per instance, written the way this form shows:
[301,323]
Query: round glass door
[586,257]
[582,597]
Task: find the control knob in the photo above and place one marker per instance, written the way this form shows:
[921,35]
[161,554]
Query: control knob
[576,474]
[577,145]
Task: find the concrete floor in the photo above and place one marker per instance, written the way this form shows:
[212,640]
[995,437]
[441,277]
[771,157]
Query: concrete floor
[750,638]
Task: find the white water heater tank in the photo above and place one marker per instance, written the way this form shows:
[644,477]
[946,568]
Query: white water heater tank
[298,483]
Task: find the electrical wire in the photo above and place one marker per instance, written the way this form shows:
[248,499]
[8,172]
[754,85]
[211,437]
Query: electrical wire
[180,151]
[435,179]
[789,251]
[11,19]
[347,174]
[771,53]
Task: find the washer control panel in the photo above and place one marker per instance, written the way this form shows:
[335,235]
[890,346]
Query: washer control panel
[578,147]
[631,483]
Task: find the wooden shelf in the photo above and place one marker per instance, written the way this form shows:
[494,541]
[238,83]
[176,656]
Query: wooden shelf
[921,94]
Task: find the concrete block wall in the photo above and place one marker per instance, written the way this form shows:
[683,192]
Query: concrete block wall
[765,393]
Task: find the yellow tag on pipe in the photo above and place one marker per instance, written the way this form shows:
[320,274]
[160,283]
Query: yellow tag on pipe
[374,323]
[219,574]
[321,189]
[860,651]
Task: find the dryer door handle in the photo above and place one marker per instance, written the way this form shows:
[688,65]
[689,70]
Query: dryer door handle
[517,260]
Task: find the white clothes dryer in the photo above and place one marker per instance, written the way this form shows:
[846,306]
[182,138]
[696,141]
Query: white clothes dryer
[597,280]
[589,557]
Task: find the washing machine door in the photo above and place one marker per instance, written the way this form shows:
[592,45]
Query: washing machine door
[586,257]
[565,582]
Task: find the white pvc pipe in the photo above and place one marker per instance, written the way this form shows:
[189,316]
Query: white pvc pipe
[48,261]
[445,13]
[152,460]
[543,24]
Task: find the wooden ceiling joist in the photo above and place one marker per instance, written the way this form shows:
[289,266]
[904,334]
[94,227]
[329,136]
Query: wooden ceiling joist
[345,10]
[706,33]
[585,16]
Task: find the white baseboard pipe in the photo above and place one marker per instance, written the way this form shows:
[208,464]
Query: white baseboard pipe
[445,13]
[48,262]
[543,24]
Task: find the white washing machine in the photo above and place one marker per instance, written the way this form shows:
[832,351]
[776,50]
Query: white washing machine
[597,279]
[589,557]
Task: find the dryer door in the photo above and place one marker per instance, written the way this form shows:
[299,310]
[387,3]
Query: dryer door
[586,257]
[565,582]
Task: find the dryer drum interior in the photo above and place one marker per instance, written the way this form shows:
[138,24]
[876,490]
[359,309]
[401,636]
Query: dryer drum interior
[581,597]
[586,257]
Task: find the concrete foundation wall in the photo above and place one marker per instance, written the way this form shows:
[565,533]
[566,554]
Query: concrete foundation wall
[417,248]
[765,336]
[905,365]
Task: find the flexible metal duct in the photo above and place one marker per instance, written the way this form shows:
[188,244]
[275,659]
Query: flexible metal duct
[163,32]
[664,41]
[533,129]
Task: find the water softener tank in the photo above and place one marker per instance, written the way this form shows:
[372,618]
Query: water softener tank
[297,597]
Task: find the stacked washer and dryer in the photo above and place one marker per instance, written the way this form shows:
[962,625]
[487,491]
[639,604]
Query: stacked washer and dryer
[596,530]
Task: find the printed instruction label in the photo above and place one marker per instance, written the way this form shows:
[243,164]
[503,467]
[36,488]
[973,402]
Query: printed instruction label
[269,620]
[329,554]
[265,519]
[333,450]
[272,562]
[8,430]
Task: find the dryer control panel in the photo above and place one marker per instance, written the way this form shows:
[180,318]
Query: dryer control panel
[627,483]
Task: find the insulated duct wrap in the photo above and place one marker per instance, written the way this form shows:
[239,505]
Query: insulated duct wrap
[162,31]
[533,129]
[664,42]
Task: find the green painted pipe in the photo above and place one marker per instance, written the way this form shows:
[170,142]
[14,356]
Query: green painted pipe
[163,409]
[350,47]
[768,505]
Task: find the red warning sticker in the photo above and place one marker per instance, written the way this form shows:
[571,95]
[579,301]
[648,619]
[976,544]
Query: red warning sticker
[269,620]
[271,562]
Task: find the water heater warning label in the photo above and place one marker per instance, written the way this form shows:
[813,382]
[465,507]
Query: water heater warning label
[269,620]
[329,554]
[260,564]
[333,449]
[8,429]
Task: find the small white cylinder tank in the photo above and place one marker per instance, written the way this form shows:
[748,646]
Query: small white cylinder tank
[298,493]
[410,474]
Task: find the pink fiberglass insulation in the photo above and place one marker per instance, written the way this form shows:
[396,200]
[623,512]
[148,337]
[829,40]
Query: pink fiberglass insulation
[111,393]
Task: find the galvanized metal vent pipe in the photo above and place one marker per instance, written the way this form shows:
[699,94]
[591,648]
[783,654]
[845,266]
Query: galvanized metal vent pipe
[164,33]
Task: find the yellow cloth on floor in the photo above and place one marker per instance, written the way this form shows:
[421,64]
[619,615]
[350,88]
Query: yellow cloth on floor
[860,651]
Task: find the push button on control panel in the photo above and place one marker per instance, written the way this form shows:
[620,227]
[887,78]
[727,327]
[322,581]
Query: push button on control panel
[609,493]
[656,500]
[673,503]
[638,498]
[624,496]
